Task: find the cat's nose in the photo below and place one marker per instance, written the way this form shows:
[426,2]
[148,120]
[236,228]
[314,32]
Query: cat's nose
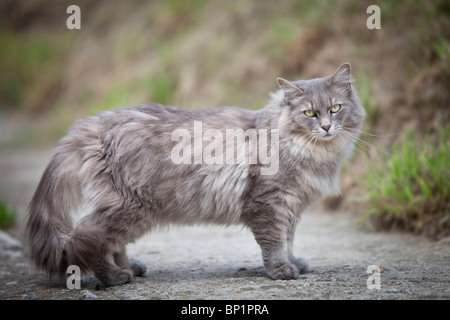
[326,127]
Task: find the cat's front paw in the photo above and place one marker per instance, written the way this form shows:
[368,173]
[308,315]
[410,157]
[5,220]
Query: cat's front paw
[286,271]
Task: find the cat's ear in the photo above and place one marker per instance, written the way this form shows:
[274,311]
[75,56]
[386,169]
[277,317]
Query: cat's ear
[342,78]
[290,90]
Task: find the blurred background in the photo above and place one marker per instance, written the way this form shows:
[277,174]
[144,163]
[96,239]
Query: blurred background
[199,54]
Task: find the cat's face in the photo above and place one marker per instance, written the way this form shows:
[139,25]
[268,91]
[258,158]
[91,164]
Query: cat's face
[321,109]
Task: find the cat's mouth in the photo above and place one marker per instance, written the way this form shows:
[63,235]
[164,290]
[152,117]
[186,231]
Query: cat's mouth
[327,136]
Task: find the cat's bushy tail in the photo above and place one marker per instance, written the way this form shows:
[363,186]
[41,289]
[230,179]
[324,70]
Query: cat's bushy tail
[53,243]
[49,221]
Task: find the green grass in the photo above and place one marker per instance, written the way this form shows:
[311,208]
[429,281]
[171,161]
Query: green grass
[410,189]
[7,216]
[370,104]
[442,48]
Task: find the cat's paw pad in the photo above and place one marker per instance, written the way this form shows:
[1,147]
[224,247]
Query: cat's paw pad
[286,271]
[301,264]
[138,268]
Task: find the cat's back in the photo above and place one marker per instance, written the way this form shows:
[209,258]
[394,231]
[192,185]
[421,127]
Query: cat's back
[172,114]
[168,118]
[138,143]
[133,135]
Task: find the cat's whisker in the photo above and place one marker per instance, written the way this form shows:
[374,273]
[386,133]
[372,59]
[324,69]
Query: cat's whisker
[342,137]
[367,144]
[287,152]
[305,142]
[312,147]
[365,133]
[315,141]
[293,154]
[363,149]
[362,143]
[304,152]
[301,150]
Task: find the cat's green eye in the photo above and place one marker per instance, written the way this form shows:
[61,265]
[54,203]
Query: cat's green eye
[309,113]
[335,108]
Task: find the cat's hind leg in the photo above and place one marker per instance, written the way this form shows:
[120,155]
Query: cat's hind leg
[110,274]
[90,249]
[116,268]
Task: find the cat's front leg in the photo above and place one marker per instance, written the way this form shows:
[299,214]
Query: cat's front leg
[272,239]
[301,264]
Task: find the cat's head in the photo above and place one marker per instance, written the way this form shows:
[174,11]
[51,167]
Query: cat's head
[321,109]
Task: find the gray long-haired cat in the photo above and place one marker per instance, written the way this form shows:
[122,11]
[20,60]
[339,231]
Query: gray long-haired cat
[137,168]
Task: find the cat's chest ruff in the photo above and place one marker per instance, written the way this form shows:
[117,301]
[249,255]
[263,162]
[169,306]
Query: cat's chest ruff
[318,185]
[312,180]
[317,174]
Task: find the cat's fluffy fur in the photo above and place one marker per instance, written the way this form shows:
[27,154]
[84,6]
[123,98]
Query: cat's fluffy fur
[118,164]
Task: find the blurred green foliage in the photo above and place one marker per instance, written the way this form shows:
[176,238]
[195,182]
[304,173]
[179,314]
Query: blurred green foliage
[7,216]
[410,188]
[367,99]
[29,64]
